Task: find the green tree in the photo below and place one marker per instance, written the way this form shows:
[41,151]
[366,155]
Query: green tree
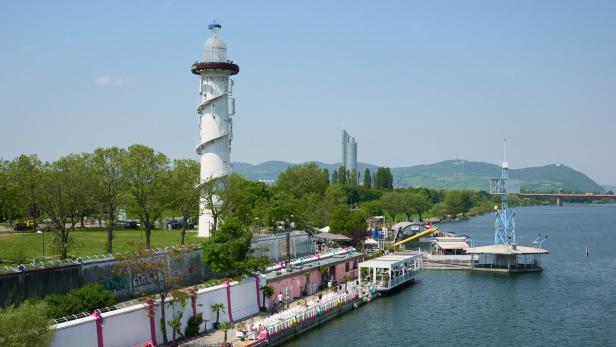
[218,307]
[439,210]
[245,199]
[301,180]
[157,268]
[418,202]
[184,190]
[383,178]
[344,219]
[214,199]
[228,249]
[284,210]
[367,178]
[342,175]
[373,207]
[26,171]
[455,202]
[27,325]
[78,300]
[177,303]
[64,194]
[109,182]
[146,173]
[335,177]
[225,326]
[268,291]
[354,179]
[9,194]
[394,203]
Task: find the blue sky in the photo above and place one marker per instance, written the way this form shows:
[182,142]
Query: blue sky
[414,82]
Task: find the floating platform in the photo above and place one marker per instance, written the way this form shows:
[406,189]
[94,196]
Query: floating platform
[507,258]
[391,271]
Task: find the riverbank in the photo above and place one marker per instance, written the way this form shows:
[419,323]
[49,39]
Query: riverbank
[299,317]
[569,304]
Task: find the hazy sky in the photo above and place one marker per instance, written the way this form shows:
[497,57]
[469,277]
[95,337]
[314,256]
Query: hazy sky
[414,82]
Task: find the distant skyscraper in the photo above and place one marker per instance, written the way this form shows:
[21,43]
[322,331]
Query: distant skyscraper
[349,152]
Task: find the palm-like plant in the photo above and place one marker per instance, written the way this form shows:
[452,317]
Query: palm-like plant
[218,307]
[268,291]
[346,278]
[225,326]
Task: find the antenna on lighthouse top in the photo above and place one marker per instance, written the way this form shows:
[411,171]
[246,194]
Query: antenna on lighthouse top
[505,164]
[214,27]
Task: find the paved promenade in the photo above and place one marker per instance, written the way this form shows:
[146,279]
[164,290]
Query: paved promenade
[216,338]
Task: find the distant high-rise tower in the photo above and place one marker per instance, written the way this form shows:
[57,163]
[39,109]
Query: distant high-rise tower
[349,152]
[214,111]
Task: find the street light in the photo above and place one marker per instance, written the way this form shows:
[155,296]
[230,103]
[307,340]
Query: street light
[43,242]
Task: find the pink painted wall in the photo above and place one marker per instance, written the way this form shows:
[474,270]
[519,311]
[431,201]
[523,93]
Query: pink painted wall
[295,284]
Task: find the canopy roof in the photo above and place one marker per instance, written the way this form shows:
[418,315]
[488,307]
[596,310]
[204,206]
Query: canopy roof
[506,249]
[452,245]
[389,260]
[371,242]
[332,237]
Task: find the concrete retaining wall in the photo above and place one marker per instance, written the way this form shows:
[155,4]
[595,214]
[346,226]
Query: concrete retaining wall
[17,286]
[275,247]
[132,325]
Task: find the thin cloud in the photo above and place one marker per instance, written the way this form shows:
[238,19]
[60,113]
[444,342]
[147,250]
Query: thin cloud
[108,80]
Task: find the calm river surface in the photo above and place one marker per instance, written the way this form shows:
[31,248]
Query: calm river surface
[572,303]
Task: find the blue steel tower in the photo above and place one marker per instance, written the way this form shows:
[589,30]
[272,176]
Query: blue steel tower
[504,226]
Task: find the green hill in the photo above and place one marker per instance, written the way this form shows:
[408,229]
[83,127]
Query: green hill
[453,174]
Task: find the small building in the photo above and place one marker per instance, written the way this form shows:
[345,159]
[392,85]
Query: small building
[507,258]
[314,274]
[453,245]
[391,270]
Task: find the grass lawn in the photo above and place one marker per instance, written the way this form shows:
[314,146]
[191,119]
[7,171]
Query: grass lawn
[20,246]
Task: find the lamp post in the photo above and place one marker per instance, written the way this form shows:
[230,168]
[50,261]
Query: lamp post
[42,242]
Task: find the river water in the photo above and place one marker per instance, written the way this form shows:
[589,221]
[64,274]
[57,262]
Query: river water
[572,303]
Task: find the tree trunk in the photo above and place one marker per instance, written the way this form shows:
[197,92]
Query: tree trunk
[163,324]
[183,233]
[110,238]
[215,222]
[82,221]
[110,230]
[148,231]
[263,297]
[63,242]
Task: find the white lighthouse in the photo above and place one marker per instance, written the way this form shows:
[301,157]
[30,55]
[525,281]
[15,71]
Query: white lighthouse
[214,111]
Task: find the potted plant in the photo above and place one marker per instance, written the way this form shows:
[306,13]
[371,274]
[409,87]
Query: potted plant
[217,308]
[346,278]
[305,292]
[268,291]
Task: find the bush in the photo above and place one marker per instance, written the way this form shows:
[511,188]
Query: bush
[26,325]
[78,300]
[192,327]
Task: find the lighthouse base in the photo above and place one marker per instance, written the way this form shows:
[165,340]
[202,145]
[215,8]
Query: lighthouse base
[206,224]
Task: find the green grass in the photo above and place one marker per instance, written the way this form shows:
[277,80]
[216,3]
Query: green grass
[19,246]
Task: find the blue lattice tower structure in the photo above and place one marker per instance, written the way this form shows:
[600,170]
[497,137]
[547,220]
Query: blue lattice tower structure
[504,226]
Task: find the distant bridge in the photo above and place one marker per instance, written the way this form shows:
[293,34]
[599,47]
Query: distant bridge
[559,197]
